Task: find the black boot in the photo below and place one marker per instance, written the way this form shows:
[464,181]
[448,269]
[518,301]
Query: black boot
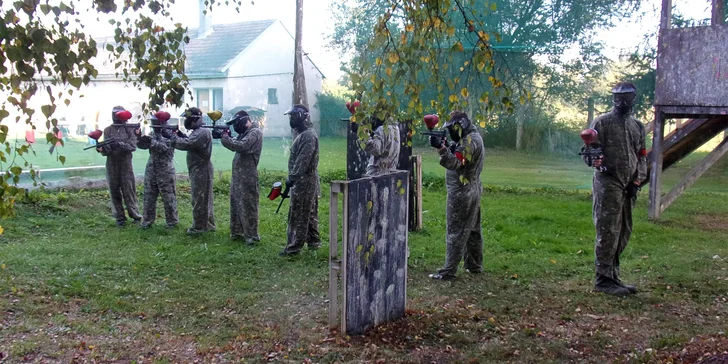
[608,286]
[630,288]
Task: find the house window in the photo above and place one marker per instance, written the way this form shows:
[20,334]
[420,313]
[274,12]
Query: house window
[209,99]
[272,96]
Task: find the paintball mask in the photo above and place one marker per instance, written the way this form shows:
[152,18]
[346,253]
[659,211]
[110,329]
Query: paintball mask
[623,96]
[240,122]
[193,118]
[457,125]
[297,116]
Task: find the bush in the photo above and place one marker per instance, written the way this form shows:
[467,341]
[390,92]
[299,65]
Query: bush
[332,104]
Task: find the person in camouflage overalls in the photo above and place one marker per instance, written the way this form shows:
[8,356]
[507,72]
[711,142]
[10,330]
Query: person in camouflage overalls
[244,188]
[199,150]
[383,146]
[159,176]
[463,159]
[303,182]
[119,170]
[624,160]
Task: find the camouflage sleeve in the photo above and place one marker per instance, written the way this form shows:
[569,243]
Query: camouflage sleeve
[160,144]
[195,141]
[305,154]
[642,156]
[375,144]
[249,144]
[128,145]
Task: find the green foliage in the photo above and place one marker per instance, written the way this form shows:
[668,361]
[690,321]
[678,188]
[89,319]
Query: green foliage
[485,58]
[332,104]
[44,52]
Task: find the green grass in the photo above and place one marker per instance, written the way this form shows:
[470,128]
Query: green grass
[502,167]
[73,285]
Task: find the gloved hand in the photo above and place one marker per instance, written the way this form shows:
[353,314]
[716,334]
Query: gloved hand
[453,147]
[435,142]
[354,127]
[181,134]
[217,134]
[632,190]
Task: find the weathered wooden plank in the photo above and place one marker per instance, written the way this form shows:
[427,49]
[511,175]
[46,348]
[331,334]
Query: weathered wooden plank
[717,14]
[415,199]
[692,67]
[344,253]
[375,251]
[418,188]
[656,163]
[694,174]
[334,262]
[666,15]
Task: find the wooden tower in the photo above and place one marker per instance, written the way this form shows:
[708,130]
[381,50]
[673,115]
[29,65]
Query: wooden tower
[691,82]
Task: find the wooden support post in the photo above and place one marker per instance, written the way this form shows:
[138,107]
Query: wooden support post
[418,191]
[694,174]
[717,13]
[344,241]
[656,172]
[334,261]
[666,18]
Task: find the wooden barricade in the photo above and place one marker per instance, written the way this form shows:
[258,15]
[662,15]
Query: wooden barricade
[373,262]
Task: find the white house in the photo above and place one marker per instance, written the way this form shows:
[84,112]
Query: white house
[228,65]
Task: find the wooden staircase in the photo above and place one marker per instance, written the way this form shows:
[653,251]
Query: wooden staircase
[686,139]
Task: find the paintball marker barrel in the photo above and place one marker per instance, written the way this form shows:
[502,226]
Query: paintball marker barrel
[170,127]
[135,126]
[438,133]
[218,130]
[101,144]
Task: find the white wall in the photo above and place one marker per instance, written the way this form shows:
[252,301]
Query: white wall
[268,63]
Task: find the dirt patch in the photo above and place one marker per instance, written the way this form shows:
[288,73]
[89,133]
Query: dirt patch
[712,222]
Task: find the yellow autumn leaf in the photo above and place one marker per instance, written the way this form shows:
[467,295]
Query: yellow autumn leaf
[1,230]
[552,261]
[378,61]
[482,124]
[450,31]
[453,98]
[3,266]
[481,65]
[409,27]
[393,57]
[389,71]
[464,92]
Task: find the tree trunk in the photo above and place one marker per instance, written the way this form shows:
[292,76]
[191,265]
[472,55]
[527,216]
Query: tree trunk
[589,112]
[299,79]
[520,120]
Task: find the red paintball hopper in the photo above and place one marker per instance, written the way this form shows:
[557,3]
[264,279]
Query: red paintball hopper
[589,136]
[162,116]
[95,135]
[275,191]
[431,121]
[123,115]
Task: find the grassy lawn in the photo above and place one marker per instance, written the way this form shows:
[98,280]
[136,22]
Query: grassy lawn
[74,287]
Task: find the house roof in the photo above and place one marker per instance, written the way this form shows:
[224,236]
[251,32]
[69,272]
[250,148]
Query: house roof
[210,54]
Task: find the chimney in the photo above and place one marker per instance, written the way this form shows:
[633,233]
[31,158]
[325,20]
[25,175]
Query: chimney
[205,25]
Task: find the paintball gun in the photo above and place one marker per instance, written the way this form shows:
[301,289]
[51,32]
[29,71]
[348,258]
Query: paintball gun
[95,135]
[276,191]
[431,122]
[217,130]
[591,149]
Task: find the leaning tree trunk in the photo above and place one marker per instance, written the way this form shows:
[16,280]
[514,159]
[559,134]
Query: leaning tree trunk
[520,120]
[299,79]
